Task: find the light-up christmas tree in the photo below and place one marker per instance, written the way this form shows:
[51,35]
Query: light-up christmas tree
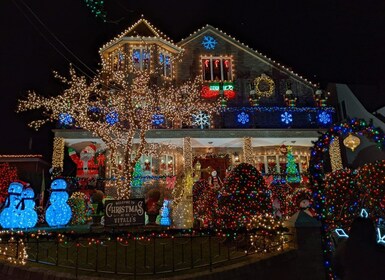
[182,214]
[244,195]
[205,202]
[116,108]
[137,181]
[292,174]
[8,174]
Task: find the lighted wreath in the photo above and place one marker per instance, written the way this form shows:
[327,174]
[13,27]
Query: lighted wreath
[264,86]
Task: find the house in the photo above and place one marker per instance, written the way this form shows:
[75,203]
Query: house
[266,107]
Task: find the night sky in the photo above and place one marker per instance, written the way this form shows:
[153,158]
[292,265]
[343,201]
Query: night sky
[325,41]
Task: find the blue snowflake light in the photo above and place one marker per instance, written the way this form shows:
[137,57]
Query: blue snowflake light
[324,118]
[243,118]
[209,42]
[112,118]
[157,119]
[286,118]
[65,119]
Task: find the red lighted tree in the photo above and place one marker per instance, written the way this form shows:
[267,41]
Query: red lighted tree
[243,196]
[8,174]
[204,203]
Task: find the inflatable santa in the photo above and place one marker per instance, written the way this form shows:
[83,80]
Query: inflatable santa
[87,162]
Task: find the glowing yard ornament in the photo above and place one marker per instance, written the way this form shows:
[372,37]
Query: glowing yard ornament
[59,212]
[341,233]
[9,217]
[352,142]
[26,208]
[364,213]
[381,238]
[165,220]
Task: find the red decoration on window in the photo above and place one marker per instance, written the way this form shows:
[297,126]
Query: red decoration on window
[230,94]
[207,93]
[226,63]
[207,63]
[216,63]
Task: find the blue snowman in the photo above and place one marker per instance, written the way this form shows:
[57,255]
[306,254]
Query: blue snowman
[59,212]
[26,208]
[10,216]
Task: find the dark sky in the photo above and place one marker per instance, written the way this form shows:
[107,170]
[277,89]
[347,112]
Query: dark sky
[325,41]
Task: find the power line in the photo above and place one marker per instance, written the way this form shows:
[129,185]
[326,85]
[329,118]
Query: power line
[54,36]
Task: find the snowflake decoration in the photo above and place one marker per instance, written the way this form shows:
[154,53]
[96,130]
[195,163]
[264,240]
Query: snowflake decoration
[286,118]
[157,119]
[202,120]
[209,42]
[324,118]
[65,119]
[243,118]
[112,118]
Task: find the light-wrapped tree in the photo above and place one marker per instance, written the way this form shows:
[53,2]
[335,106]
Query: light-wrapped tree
[118,107]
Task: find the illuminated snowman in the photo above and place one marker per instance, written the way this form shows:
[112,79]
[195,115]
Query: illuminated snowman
[26,207]
[59,212]
[10,216]
[165,213]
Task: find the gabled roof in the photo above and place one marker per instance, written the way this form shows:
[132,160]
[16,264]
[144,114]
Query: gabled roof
[142,30]
[208,28]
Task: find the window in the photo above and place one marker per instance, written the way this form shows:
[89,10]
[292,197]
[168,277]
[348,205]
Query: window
[117,61]
[216,69]
[141,59]
[165,61]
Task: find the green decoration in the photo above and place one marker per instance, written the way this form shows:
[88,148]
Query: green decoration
[292,174]
[137,180]
[97,8]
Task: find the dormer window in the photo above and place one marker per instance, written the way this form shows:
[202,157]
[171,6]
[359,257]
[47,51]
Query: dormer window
[216,69]
[141,58]
[117,61]
[165,62]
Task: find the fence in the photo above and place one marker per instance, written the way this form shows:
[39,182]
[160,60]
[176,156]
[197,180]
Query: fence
[144,256]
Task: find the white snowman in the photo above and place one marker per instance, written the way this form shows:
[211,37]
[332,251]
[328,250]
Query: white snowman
[26,207]
[10,216]
[59,212]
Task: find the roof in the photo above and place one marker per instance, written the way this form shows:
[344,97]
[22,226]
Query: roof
[142,30]
[246,48]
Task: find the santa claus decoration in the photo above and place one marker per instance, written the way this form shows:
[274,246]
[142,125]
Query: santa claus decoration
[88,162]
[214,181]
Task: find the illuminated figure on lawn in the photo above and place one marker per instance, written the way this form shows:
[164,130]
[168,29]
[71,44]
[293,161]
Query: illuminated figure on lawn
[10,216]
[26,209]
[165,213]
[59,212]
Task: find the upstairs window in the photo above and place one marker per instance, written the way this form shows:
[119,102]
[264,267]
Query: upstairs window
[141,58]
[118,61]
[165,62]
[216,69]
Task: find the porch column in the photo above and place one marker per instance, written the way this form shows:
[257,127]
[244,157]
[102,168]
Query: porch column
[58,154]
[187,154]
[335,154]
[248,156]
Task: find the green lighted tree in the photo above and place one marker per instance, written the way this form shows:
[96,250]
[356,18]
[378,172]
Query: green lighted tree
[243,196]
[292,174]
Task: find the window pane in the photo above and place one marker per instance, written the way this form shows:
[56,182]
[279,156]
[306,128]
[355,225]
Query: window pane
[206,69]
[136,59]
[217,69]
[226,65]
[146,59]
[168,66]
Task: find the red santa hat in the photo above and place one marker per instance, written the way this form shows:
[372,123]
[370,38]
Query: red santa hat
[90,148]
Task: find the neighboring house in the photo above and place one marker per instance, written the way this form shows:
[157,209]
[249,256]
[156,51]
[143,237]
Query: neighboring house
[30,169]
[349,107]
[268,106]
